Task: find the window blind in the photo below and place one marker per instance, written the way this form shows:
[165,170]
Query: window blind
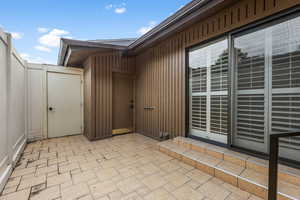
[250,113]
[199,113]
[219,114]
[208,89]
[286,81]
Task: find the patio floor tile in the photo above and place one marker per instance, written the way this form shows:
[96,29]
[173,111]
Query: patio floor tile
[127,167]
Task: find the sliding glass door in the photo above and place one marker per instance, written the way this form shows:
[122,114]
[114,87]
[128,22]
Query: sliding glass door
[285,105]
[208,74]
[250,92]
[267,87]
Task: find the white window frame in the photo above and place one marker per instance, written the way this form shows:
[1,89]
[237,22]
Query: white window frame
[208,134]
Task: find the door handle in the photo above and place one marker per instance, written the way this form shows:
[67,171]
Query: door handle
[149,108]
[51,109]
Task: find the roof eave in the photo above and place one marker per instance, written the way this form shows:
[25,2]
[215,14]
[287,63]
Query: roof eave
[173,23]
[66,46]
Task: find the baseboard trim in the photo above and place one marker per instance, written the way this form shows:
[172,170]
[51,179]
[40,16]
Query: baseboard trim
[35,138]
[5,176]
[18,152]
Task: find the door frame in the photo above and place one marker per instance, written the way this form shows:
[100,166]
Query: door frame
[133,78]
[203,135]
[62,70]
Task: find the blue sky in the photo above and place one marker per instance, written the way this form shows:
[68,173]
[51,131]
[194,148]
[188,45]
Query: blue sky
[37,25]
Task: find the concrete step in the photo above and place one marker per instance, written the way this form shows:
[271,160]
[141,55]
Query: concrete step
[243,171]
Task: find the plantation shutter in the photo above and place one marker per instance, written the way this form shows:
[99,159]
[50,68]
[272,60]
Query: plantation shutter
[286,83]
[198,83]
[208,68]
[218,116]
[267,98]
[219,77]
[199,113]
[250,94]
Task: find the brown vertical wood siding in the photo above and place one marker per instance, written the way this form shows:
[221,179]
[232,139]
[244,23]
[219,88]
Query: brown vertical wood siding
[161,83]
[160,72]
[98,82]
[88,100]
[161,69]
[103,94]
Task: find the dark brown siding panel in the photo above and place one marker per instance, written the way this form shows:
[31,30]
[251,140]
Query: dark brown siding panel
[103,89]
[89,125]
[160,83]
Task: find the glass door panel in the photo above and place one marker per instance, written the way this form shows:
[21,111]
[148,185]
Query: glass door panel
[267,87]
[208,72]
[250,131]
[285,105]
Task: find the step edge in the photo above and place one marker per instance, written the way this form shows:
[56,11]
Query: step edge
[246,160]
[215,167]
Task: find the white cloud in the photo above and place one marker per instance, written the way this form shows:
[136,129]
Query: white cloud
[147,28]
[42,48]
[16,35]
[52,38]
[42,30]
[120,10]
[109,6]
[33,59]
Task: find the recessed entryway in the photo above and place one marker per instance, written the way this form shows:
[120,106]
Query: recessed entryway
[123,103]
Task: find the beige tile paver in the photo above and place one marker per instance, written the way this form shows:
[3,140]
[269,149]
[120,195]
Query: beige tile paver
[46,194]
[187,193]
[83,177]
[103,188]
[29,182]
[58,179]
[106,174]
[129,185]
[214,191]
[159,194]
[21,172]
[20,195]
[75,192]
[177,179]
[127,167]
[154,181]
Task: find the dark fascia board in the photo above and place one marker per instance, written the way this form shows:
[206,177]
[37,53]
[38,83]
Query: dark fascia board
[185,15]
[121,42]
[80,43]
[66,46]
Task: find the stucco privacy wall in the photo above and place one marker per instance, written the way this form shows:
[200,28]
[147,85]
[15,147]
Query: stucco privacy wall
[161,70]
[13,109]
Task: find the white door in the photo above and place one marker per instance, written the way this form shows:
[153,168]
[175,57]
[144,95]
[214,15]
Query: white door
[64,105]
